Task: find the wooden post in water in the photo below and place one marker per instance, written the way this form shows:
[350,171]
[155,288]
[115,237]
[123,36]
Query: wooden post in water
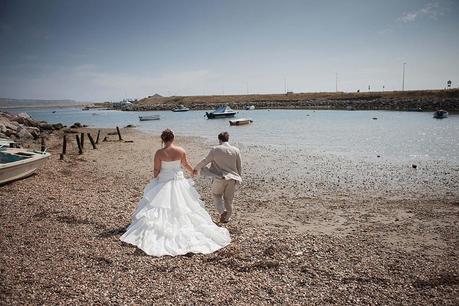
[98,134]
[92,141]
[119,134]
[64,146]
[43,145]
[82,140]
[80,149]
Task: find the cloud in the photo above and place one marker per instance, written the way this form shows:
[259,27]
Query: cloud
[430,10]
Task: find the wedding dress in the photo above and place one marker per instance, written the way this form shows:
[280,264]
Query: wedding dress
[170,219]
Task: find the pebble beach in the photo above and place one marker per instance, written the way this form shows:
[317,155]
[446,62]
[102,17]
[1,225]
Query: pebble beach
[308,228]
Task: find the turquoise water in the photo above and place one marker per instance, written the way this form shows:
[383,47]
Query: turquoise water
[394,135]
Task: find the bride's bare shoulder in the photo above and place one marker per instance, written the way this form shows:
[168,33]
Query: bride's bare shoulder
[182,150]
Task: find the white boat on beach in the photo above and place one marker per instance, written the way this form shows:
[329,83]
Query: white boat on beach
[149,117]
[18,163]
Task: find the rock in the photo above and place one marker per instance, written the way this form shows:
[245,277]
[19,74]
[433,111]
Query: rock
[414,166]
[129,126]
[2,128]
[24,115]
[23,134]
[76,125]
[58,126]
[3,135]
[10,133]
[25,121]
[9,124]
[34,131]
[45,126]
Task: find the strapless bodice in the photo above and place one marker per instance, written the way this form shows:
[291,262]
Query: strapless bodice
[170,170]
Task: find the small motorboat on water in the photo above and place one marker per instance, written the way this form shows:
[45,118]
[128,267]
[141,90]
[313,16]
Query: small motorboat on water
[241,121]
[249,107]
[180,108]
[16,163]
[221,112]
[440,114]
[149,118]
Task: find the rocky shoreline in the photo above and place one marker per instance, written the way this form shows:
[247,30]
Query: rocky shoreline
[22,128]
[400,101]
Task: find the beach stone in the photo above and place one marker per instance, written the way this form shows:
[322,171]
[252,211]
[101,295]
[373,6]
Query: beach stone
[2,128]
[76,125]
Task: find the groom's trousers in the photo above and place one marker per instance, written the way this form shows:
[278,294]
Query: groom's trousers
[223,192]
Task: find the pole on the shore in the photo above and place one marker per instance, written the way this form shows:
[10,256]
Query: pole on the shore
[92,141]
[98,134]
[82,140]
[80,149]
[64,146]
[43,145]
[403,77]
[119,134]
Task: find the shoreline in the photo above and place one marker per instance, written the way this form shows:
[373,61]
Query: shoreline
[307,229]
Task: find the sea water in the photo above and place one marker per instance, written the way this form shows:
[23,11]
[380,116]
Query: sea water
[360,134]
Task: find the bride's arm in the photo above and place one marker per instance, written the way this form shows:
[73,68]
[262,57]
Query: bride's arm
[186,164]
[157,165]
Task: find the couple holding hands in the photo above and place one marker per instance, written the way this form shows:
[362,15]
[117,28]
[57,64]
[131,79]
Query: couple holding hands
[171,219]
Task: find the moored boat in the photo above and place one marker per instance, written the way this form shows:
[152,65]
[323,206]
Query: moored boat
[149,117]
[180,108]
[19,163]
[221,112]
[241,121]
[440,114]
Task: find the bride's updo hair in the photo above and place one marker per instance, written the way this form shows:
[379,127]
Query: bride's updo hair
[167,135]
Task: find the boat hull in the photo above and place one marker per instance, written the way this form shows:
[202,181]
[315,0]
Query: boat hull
[180,110]
[440,114]
[240,122]
[22,168]
[220,115]
[148,118]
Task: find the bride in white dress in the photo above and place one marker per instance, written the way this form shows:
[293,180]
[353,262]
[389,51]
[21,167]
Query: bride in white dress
[171,219]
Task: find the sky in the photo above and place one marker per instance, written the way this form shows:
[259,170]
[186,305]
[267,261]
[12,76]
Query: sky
[107,50]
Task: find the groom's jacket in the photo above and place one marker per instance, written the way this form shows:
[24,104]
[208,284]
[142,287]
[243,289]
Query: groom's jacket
[225,162]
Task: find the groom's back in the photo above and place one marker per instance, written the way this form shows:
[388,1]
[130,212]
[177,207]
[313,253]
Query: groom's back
[227,158]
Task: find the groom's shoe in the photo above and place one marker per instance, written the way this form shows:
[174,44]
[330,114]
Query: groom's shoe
[224,218]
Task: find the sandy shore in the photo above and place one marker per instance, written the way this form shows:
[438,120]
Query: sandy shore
[308,229]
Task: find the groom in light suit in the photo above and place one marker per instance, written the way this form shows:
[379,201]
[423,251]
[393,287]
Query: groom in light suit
[225,170]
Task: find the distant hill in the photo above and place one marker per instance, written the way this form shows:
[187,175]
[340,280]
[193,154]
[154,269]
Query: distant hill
[11,103]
